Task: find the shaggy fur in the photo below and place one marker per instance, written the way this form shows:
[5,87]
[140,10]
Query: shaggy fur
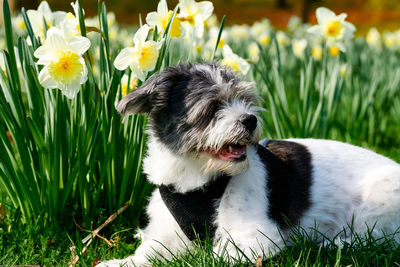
[213,175]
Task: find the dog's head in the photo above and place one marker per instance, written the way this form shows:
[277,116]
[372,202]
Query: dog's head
[200,110]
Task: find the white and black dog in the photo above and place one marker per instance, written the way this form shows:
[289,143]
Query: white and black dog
[214,177]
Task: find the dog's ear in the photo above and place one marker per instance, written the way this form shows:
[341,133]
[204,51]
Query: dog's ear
[143,99]
[139,100]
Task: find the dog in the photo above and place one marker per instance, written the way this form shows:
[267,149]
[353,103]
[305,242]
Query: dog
[215,178]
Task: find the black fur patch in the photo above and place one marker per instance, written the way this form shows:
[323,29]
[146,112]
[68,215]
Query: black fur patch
[289,180]
[194,210]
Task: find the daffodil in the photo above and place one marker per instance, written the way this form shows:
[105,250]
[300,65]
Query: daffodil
[239,32]
[233,61]
[317,52]
[125,87]
[282,39]
[64,67]
[298,47]
[264,39]
[194,14]
[333,28]
[161,19]
[260,27]
[43,12]
[391,40]
[334,50]
[254,51]
[343,69]
[141,57]
[211,22]
[294,23]
[374,38]
[213,37]
[19,24]
[71,22]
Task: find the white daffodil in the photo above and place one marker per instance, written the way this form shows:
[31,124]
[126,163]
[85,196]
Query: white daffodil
[254,51]
[19,24]
[140,58]
[37,17]
[233,61]
[282,39]
[213,37]
[260,28]
[317,52]
[161,19]
[239,32]
[125,87]
[212,21]
[19,69]
[194,14]
[294,23]
[298,47]
[333,28]
[64,67]
[374,38]
[343,69]
[334,49]
[70,24]
[391,40]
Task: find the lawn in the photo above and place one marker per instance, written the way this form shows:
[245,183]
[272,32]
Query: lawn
[69,161]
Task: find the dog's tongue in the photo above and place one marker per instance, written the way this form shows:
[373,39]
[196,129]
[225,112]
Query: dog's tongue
[231,152]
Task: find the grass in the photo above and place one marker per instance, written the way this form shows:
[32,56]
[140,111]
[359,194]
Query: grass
[31,244]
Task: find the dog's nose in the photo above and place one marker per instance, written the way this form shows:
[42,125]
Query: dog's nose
[249,121]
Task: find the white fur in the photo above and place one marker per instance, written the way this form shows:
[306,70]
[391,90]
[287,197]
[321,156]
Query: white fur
[350,184]
[226,124]
[164,167]
[242,214]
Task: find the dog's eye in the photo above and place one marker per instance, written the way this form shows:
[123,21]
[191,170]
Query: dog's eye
[207,114]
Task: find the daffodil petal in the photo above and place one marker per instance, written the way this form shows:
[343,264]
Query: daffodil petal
[324,14]
[40,51]
[153,19]
[141,35]
[162,8]
[45,79]
[342,16]
[124,58]
[316,29]
[71,90]
[206,8]
[84,75]
[350,29]
[79,44]
[44,8]
[55,40]
[137,72]
[58,16]
[186,5]
[46,59]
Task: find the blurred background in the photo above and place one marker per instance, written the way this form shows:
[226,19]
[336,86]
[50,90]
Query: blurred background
[383,14]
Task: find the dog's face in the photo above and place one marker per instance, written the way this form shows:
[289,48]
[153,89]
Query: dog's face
[200,110]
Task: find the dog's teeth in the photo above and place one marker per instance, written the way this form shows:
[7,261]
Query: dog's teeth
[230,149]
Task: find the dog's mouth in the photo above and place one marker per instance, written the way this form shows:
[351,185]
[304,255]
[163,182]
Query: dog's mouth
[230,152]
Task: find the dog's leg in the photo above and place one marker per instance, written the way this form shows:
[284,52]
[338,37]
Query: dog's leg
[244,228]
[160,238]
[252,241]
